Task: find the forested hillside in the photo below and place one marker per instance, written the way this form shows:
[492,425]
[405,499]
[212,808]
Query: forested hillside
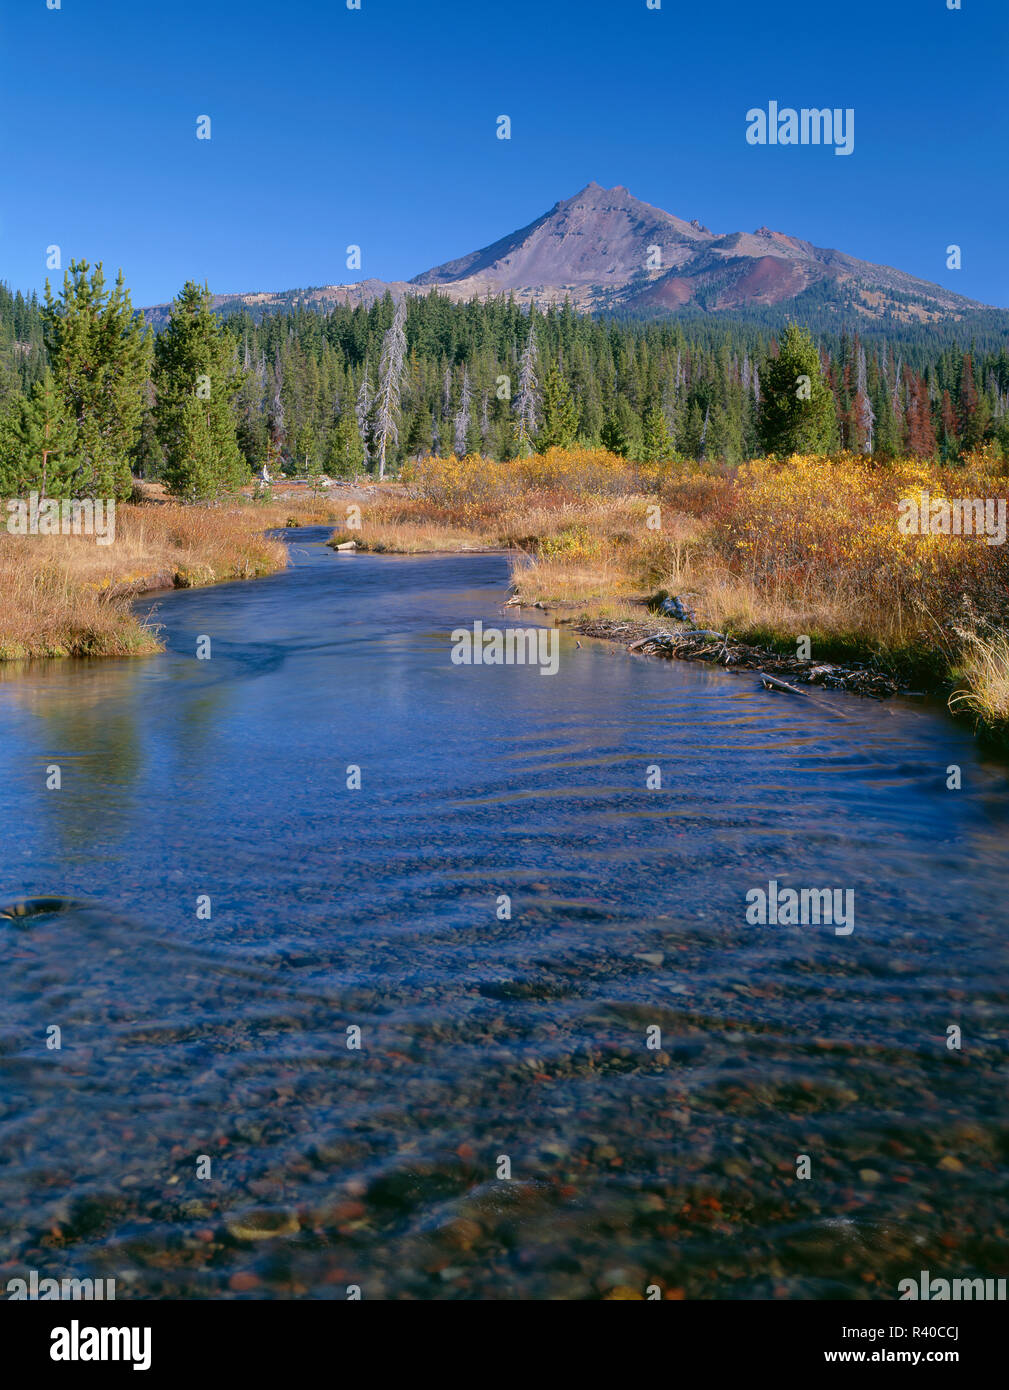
[22,354]
[312,392]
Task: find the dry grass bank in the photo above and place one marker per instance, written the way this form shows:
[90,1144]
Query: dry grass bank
[770,552]
[69,596]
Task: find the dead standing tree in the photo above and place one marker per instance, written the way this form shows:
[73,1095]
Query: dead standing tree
[525,406]
[390,378]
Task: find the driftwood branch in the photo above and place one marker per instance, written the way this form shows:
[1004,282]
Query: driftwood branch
[772,683]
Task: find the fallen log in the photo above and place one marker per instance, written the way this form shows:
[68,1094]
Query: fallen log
[772,683]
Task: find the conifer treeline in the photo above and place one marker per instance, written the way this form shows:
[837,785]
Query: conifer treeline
[640,389]
[314,392]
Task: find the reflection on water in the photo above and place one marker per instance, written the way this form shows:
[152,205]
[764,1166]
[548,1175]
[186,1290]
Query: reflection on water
[485,1037]
[73,730]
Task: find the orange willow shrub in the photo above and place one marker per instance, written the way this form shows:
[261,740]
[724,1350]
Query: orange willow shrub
[819,534]
[832,525]
[457,482]
[474,482]
[579,471]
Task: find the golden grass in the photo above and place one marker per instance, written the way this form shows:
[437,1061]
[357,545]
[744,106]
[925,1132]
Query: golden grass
[301,509]
[566,581]
[285,504]
[69,596]
[48,611]
[385,531]
[985,669]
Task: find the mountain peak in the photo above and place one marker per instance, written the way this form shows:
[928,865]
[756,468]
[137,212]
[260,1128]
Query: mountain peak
[600,238]
[603,248]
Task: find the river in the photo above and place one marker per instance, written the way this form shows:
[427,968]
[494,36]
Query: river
[213,1125]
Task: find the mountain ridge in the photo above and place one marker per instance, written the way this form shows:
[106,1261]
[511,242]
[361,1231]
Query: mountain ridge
[606,250]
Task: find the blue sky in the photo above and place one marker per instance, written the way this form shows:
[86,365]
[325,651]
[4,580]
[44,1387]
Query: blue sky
[377,127]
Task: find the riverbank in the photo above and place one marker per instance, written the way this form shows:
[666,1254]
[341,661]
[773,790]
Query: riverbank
[70,596]
[798,566]
[782,672]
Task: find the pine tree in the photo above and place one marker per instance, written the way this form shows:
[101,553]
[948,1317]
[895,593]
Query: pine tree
[897,409]
[972,414]
[797,408]
[147,459]
[417,441]
[299,365]
[919,430]
[276,417]
[100,354]
[306,450]
[693,433]
[950,441]
[723,438]
[888,440]
[252,429]
[621,432]
[196,380]
[38,445]
[485,429]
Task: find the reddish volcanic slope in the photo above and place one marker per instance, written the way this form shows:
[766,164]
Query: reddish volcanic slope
[606,249]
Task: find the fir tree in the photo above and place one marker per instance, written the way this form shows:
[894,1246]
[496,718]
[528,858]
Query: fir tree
[972,414]
[559,429]
[657,442]
[621,432]
[362,413]
[947,417]
[865,417]
[463,424]
[797,408]
[693,433]
[345,455]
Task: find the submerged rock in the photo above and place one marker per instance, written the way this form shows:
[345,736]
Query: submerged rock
[37,907]
[263,1224]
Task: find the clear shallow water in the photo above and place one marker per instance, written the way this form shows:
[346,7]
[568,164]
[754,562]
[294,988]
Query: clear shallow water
[481,1037]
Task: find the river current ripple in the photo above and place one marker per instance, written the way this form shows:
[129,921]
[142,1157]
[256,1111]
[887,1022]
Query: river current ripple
[488,1044]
